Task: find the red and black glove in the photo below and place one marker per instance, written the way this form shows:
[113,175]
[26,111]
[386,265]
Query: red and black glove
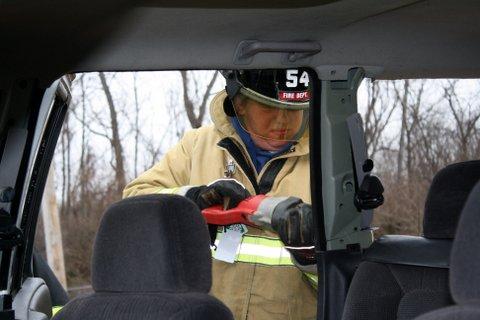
[225,192]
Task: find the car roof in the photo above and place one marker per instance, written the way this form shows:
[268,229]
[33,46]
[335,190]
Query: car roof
[391,39]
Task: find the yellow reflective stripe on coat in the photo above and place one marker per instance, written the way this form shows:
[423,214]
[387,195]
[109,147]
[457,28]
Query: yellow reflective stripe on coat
[312,279]
[55,309]
[169,190]
[261,250]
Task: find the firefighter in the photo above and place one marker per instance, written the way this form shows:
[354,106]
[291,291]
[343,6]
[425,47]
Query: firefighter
[258,144]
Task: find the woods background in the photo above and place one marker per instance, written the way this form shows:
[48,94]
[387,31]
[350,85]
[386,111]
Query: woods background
[120,124]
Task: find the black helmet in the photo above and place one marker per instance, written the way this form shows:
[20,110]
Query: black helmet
[278,108]
[277,88]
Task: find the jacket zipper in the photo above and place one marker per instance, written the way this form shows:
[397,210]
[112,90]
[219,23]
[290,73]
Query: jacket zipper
[269,173]
[237,155]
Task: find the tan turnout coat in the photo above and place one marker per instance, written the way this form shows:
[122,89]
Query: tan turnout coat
[251,291]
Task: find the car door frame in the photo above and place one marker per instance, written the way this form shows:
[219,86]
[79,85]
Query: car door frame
[44,115]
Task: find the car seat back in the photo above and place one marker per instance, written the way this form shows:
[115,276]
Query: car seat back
[404,276]
[151,260]
[465,266]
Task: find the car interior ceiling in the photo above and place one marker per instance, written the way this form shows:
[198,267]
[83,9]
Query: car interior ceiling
[118,37]
[417,39]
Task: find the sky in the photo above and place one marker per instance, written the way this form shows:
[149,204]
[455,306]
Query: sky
[161,113]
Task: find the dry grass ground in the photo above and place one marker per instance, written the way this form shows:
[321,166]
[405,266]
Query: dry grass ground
[402,212]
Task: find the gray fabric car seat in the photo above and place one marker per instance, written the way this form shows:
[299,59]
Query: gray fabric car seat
[151,260]
[465,266]
[402,277]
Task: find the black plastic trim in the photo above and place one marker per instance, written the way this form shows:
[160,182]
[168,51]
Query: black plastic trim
[316,162]
[411,251]
[36,188]
[34,99]
[10,163]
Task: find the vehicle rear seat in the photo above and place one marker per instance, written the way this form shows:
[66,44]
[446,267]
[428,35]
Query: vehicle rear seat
[402,277]
[151,260]
[465,266]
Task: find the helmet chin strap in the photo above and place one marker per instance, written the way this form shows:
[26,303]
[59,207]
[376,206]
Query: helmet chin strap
[266,143]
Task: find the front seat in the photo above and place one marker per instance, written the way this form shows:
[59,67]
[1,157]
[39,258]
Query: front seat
[151,260]
[402,277]
[464,267]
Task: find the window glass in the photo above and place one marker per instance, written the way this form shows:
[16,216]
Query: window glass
[414,128]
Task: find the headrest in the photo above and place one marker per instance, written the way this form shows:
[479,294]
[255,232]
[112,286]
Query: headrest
[465,258]
[446,197]
[153,243]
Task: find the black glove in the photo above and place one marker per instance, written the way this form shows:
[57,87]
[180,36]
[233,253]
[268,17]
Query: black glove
[293,221]
[222,191]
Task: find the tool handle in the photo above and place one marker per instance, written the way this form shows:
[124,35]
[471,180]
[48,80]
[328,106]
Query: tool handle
[218,216]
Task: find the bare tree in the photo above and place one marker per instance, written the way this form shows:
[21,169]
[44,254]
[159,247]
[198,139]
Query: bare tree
[433,147]
[377,117]
[190,104]
[411,101]
[64,173]
[52,229]
[414,120]
[82,170]
[466,118]
[176,114]
[65,141]
[401,145]
[136,126]
[114,139]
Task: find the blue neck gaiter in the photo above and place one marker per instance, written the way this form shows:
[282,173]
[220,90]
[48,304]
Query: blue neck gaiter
[259,156]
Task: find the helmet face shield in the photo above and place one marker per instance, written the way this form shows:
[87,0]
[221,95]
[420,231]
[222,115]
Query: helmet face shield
[276,124]
[271,104]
